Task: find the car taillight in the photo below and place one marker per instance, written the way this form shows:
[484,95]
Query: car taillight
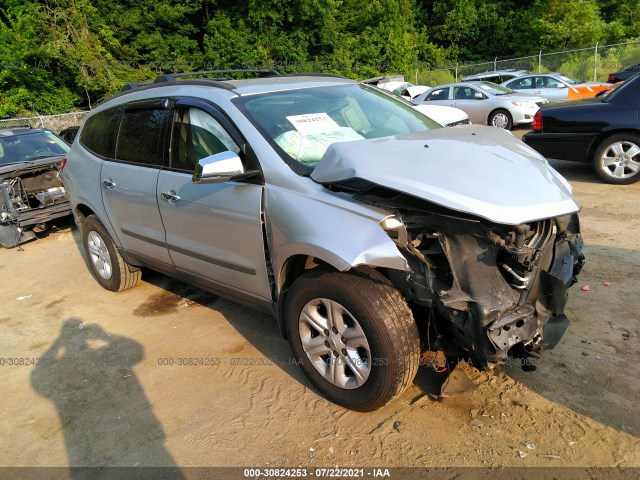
[63,164]
[612,77]
[537,121]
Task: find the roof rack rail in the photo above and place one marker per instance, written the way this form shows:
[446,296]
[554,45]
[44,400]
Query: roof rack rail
[133,86]
[171,77]
[312,74]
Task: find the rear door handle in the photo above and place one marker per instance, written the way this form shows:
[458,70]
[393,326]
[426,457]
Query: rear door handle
[108,183]
[170,196]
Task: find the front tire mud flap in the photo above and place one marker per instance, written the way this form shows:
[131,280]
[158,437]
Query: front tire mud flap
[553,331]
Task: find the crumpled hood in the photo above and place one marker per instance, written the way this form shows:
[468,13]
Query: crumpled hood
[483,171]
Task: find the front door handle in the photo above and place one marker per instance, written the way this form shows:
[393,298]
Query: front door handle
[170,196]
[108,183]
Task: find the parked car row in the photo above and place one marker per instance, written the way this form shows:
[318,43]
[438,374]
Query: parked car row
[486,103]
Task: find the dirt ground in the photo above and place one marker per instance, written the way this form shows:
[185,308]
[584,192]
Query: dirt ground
[93,378]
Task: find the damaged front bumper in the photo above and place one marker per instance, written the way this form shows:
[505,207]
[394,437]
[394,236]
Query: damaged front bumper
[28,199]
[498,290]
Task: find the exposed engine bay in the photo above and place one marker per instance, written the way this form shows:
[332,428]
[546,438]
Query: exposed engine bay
[496,290]
[30,198]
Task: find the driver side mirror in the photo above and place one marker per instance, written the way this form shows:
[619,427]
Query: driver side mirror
[478,96]
[219,168]
[561,85]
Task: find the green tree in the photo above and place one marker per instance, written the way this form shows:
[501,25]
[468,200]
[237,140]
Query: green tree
[554,25]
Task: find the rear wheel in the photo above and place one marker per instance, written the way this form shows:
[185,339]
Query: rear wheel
[106,264]
[501,119]
[617,160]
[354,338]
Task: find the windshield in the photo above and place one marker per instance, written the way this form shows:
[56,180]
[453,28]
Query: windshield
[567,80]
[494,89]
[30,146]
[302,124]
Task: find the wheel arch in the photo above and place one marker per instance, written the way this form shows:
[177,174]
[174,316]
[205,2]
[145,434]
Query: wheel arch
[497,109]
[296,265]
[80,213]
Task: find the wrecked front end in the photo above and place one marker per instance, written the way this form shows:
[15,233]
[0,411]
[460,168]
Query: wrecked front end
[29,198]
[497,290]
[490,232]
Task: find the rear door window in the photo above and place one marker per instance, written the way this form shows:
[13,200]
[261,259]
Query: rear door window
[100,131]
[439,94]
[141,136]
[521,83]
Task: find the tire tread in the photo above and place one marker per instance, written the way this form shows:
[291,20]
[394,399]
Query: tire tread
[403,343]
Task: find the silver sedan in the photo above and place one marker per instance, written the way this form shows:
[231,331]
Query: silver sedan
[485,102]
[555,87]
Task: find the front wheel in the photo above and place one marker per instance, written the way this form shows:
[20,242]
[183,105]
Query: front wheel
[501,119]
[354,338]
[617,160]
[106,264]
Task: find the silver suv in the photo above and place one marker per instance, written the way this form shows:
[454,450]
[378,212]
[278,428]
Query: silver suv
[364,227]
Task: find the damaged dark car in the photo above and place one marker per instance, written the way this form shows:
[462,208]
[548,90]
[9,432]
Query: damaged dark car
[31,191]
[370,233]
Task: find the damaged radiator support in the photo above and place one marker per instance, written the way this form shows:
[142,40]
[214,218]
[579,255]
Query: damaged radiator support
[32,197]
[498,290]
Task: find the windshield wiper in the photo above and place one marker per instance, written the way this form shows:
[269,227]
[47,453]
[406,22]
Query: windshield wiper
[41,156]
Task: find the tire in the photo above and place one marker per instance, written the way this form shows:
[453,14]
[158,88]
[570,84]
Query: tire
[617,159]
[375,343]
[106,264]
[500,118]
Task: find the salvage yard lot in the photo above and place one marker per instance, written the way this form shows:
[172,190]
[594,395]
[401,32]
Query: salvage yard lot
[167,375]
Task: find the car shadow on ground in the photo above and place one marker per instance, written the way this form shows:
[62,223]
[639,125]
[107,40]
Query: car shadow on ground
[88,374]
[259,329]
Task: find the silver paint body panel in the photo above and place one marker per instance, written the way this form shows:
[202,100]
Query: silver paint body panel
[479,170]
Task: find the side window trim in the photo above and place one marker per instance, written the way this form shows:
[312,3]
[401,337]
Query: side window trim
[215,112]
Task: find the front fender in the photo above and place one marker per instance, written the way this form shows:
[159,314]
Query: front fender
[339,231]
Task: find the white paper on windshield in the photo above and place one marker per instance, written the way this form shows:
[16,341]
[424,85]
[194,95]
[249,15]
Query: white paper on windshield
[313,123]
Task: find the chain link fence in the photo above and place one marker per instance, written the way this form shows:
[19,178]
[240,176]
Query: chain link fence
[585,64]
[55,123]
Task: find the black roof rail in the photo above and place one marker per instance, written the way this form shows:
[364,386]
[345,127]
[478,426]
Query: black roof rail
[312,74]
[171,77]
[133,86]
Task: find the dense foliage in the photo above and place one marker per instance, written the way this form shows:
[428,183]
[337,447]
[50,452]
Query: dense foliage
[56,55]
